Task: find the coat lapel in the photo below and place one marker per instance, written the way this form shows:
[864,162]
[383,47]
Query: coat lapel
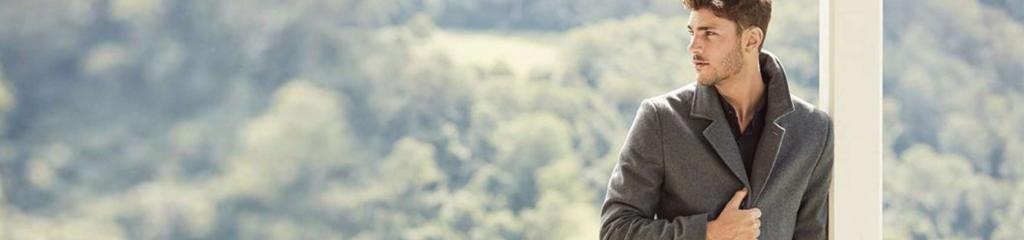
[779,105]
[765,157]
[718,134]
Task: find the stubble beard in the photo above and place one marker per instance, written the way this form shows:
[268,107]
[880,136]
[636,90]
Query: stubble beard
[731,65]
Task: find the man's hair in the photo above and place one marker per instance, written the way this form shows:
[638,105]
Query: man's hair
[745,13]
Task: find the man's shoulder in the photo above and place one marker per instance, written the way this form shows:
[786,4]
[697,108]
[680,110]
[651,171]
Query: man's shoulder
[806,114]
[675,100]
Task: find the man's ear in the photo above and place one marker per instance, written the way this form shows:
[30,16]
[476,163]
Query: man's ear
[752,39]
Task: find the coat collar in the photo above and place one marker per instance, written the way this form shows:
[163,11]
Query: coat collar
[779,103]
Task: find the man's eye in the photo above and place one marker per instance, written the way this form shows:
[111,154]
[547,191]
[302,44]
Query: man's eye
[712,34]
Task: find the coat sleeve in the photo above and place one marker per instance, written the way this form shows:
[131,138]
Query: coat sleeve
[812,218]
[635,188]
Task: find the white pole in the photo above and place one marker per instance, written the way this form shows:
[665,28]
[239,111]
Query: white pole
[850,89]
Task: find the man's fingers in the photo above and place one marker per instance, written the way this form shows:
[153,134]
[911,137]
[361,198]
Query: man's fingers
[756,213]
[737,198]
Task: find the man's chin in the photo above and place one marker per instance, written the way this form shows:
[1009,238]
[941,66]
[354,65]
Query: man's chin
[706,81]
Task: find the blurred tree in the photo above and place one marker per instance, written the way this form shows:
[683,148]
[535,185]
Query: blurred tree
[525,144]
[964,142]
[300,136]
[564,209]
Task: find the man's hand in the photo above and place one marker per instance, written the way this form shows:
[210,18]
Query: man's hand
[736,223]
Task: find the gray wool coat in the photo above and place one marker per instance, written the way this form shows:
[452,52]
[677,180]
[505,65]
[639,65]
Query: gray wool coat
[680,165]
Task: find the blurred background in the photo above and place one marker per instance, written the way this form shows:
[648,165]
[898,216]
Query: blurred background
[440,119]
[953,126]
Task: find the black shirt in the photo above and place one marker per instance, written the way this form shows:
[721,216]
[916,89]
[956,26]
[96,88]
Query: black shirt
[748,139]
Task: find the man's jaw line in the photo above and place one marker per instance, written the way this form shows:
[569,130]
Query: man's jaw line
[732,87]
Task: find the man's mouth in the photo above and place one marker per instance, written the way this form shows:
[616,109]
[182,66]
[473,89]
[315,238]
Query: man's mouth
[700,64]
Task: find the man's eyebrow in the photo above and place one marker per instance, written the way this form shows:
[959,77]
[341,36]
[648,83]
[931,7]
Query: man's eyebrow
[701,28]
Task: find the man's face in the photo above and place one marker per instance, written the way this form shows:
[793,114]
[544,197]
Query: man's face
[715,45]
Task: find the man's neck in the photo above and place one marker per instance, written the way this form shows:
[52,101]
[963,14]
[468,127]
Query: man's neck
[743,91]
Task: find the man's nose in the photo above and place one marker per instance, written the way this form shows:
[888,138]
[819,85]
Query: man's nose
[695,47]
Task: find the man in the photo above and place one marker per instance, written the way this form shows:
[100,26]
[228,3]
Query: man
[734,156]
